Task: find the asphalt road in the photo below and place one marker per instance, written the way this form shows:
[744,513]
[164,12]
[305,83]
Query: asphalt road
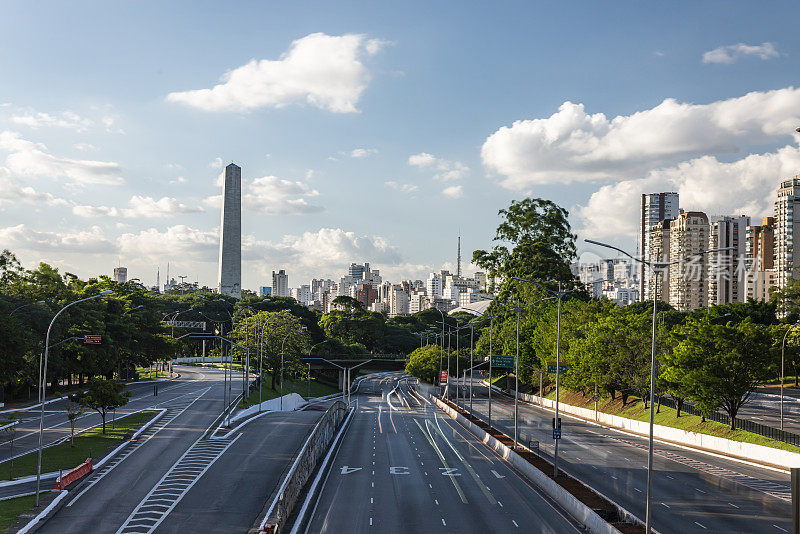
[56,424]
[405,467]
[184,478]
[765,409]
[693,492]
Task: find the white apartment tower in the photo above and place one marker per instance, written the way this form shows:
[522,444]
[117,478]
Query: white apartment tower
[688,236]
[726,276]
[787,230]
[120,275]
[230,241]
[655,207]
[280,284]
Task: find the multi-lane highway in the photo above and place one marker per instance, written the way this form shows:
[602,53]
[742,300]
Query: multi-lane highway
[404,467]
[693,492]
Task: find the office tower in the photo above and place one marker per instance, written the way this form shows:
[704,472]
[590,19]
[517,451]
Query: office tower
[655,207]
[120,275]
[726,270]
[787,230]
[688,280]
[356,271]
[760,259]
[280,284]
[230,242]
[264,291]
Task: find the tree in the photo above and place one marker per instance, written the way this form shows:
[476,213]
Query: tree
[74,410]
[721,364]
[346,303]
[102,396]
[423,363]
[540,240]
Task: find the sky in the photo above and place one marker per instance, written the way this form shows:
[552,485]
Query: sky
[374,131]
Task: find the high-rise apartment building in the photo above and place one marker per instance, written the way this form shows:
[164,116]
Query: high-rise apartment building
[120,275]
[689,234]
[230,242]
[398,301]
[659,242]
[280,284]
[356,271]
[787,230]
[726,270]
[655,207]
[434,285]
[760,259]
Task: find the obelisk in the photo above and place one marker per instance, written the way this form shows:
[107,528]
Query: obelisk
[230,240]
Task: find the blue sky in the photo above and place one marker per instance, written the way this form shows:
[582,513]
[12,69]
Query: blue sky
[376,132]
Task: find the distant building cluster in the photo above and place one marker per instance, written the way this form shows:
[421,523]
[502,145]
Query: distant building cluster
[760,256]
[443,290]
[615,279]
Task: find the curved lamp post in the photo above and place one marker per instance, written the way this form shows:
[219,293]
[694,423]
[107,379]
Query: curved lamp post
[43,384]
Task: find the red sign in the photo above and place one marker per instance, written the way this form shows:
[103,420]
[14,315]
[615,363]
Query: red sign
[71,476]
[91,339]
[443,378]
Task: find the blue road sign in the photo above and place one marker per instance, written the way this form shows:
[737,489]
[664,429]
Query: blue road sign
[556,433]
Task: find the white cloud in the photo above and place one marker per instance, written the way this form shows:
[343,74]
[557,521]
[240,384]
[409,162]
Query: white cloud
[84,147]
[91,212]
[274,196]
[148,207]
[91,241]
[216,164]
[404,188]
[363,152]
[446,170]
[731,53]
[178,180]
[179,241]
[704,184]
[28,158]
[322,70]
[572,145]
[13,192]
[454,191]
[66,119]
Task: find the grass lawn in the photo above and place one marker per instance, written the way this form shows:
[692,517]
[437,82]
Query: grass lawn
[146,374]
[64,457]
[668,417]
[290,386]
[10,509]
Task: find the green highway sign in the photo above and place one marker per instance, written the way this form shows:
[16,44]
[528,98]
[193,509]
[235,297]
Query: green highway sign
[500,360]
[552,368]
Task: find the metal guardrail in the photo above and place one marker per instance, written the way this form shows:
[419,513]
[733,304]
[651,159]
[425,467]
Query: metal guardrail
[316,446]
[741,424]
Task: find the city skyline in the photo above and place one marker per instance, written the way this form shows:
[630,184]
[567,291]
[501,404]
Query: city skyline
[123,168]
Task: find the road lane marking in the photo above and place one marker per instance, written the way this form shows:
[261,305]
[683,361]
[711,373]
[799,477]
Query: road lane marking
[515,523]
[701,525]
[779,528]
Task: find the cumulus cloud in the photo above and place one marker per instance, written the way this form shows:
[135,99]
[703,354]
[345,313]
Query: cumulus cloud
[29,158]
[454,191]
[216,164]
[325,71]
[84,147]
[274,196]
[13,192]
[179,241]
[178,180]
[22,237]
[572,145]
[704,184]
[148,207]
[66,119]
[731,53]
[91,212]
[403,188]
[445,170]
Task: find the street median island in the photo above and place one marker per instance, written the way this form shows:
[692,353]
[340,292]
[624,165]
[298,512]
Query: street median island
[593,510]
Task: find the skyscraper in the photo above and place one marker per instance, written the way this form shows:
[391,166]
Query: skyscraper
[726,276]
[787,230]
[655,208]
[280,284]
[688,280]
[230,241]
[120,275]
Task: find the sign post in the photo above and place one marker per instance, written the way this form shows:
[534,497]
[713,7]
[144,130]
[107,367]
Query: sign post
[92,339]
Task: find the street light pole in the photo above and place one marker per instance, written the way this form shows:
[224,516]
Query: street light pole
[516,385]
[471,362]
[43,385]
[658,267]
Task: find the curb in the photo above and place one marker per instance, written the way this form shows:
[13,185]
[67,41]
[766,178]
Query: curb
[51,509]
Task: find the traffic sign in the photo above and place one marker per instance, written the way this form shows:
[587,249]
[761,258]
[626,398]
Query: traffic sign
[501,360]
[561,369]
[91,339]
[556,433]
[443,377]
